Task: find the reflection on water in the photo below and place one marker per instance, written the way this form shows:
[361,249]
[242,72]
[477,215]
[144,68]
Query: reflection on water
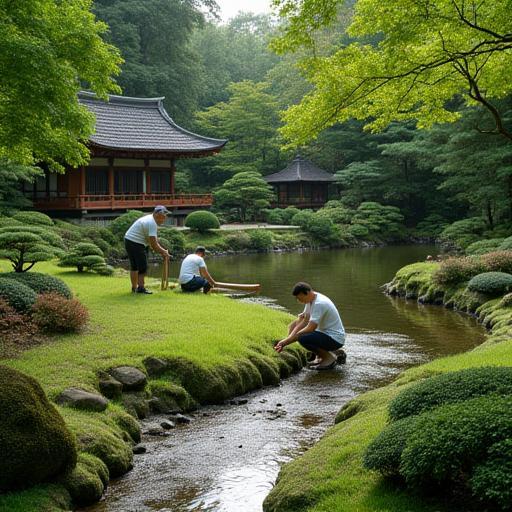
[228,458]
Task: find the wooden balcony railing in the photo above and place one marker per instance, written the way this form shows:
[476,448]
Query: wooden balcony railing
[121,201]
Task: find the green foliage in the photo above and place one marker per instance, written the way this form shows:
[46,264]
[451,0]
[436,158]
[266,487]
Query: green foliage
[202,221]
[359,231]
[20,296]
[448,443]
[16,329]
[464,232]
[484,246]
[491,283]
[35,218]
[506,245]
[276,216]
[431,226]
[36,444]
[40,283]
[238,241]
[337,215]
[85,256]
[289,213]
[172,239]
[246,192]
[407,63]
[323,229]
[44,65]
[11,177]
[499,261]
[302,218]
[449,388]
[119,226]
[54,313]
[491,481]
[384,221]
[260,239]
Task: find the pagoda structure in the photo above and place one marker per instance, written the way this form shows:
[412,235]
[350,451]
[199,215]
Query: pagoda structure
[302,184]
[133,163]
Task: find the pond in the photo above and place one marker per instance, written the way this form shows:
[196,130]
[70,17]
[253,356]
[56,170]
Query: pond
[228,457]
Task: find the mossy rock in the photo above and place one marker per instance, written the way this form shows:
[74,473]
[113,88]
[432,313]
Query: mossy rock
[136,403]
[171,395]
[34,441]
[268,368]
[129,425]
[88,480]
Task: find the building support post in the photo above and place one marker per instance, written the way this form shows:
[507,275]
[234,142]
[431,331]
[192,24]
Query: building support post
[173,173]
[111,191]
[146,180]
[81,194]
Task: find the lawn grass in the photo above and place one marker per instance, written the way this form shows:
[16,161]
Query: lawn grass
[330,476]
[217,348]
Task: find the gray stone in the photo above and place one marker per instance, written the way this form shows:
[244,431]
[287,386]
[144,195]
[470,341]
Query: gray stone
[131,378]
[81,399]
[180,418]
[167,424]
[110,387]
[155,366]
[136,404]
[138,449]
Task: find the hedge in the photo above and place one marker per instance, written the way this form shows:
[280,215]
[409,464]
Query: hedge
[491,283]
[41,283]
[20,296]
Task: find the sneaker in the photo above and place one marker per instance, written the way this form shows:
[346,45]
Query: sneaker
[144,290]
[315,361]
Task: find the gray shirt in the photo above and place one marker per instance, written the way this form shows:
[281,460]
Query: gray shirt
[323,312]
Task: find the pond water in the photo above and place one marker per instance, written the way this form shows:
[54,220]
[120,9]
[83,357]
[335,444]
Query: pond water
[228,457]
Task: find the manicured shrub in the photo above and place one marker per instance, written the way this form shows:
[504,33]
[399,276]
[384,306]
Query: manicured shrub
[498,261]
[457,270]
[358,230]
[302,218]
[120,225]
[491,283]
[492,481]
[9,221]
[288,214]
[322,229]
[464,232]
[202,221]
[336,215]
[85,256]
[238,240]
[431,226]
[15,328]
[175,240]
[448,443]
[260,239]
[36,444]
[384,452]
[483,246]
[450,387]
[35,218]
[275,216]
[384,221]
[54,313]
[20,296]
[506,244]
[41,283]
[506,301]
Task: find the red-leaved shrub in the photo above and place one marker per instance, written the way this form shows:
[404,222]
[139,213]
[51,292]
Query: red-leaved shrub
[54,313]
[457,270]
[497,261]
[16,330]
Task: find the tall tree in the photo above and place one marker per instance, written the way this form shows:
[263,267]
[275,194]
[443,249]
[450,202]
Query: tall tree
[429,52]
[49,49]
[154,37]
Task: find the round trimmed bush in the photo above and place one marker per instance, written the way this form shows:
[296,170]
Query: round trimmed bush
[448,443]
[54,313]
[492,481]
[238,240]
[20,296]
[497,261]
[119,226]
[491,283]
[384,452]
[457,270]
[202,221]
[506,244]
[35,218]
[275,216]
[358,230]
[302,218]
[449,388]
[260,239]
[41,283]
[175,240]
[36,444]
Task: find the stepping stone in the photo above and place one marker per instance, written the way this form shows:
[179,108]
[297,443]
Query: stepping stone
[81,399]
[131,378]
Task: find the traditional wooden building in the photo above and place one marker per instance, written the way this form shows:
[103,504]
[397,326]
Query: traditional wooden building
[133,154]
[302,184]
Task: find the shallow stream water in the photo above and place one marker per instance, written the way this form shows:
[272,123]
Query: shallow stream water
[228,457]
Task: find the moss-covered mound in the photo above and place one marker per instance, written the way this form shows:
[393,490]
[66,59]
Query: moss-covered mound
[34,441]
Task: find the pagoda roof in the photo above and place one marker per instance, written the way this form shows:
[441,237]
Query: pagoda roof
[300,169]
[142,126]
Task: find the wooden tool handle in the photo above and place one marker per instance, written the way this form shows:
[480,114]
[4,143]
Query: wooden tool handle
[238,286]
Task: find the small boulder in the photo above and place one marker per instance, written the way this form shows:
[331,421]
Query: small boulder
[110,387]
[155,366]
[138,449]
[81,399]
[168,424]
[180,419]
[131,378]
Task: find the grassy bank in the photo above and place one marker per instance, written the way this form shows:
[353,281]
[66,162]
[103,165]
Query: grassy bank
[215,348]
[330,476]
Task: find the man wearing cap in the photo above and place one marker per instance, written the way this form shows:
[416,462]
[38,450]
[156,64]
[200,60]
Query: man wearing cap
[141,234]
[194,274]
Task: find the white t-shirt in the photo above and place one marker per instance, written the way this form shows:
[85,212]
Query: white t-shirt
[323,312]
[140,231]
[190,267]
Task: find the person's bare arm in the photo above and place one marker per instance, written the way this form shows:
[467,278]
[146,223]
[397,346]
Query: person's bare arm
[153,242]
[294,336]
[206,275]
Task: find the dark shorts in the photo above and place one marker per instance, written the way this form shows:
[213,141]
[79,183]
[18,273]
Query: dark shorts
[196,283]
[316,339]
[138,256]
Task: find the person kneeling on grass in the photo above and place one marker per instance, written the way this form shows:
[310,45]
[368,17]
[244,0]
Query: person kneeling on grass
[318,328]
[194,273]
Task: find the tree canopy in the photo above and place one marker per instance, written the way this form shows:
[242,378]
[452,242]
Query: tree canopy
[427,53]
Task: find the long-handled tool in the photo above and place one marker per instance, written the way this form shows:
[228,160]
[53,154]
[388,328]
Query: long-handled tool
[165,274]
[238,286]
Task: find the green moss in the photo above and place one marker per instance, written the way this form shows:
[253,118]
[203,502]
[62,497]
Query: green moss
[172,395]
[36,444]
[41,498]
[268,368]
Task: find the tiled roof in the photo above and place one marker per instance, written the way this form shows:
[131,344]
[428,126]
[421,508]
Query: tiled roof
[299,170]
[142,124]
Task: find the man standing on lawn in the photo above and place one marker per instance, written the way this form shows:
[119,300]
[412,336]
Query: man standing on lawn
[318,328]
[194,274]
[143,233]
